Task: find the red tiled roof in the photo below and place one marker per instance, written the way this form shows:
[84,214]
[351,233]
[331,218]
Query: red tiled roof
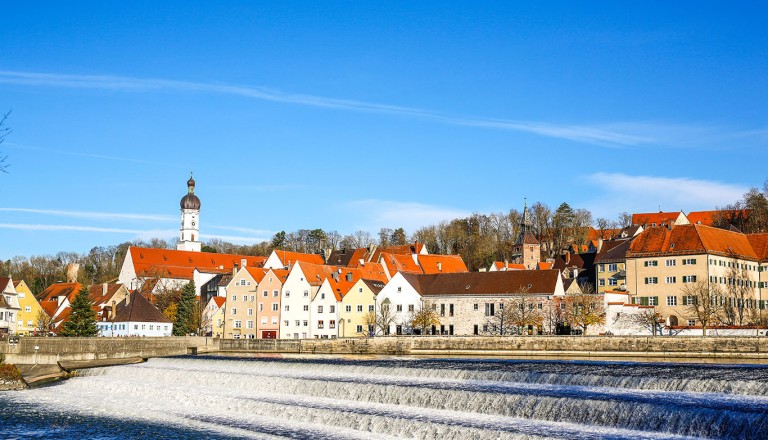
[691,240]
[543,265]
[448,264]
[500,265]
[69,290]
[657,218]
[257,273]
[405,249]
[97,295]
[708,217]
[287,257]
[399,263]
[167,263]
[759,244]
[49,307]
[4,282]
[219,300]
[315,274]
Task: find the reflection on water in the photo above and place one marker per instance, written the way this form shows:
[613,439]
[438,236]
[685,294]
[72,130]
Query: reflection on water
[311,397]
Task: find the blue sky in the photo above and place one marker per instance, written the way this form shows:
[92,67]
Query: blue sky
[361,115]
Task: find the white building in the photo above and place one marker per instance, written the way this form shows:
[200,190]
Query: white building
[299,288]
[136,316]
[9,306]
[189,240]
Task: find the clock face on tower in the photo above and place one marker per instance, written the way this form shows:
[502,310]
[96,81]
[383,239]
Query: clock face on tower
[193,223]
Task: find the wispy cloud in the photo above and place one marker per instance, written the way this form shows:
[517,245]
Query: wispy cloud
[621,192]
[92,214]
[92,155]
[374,213]
[606,135]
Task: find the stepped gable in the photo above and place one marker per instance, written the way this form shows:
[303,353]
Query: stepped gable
[485,283]
[68,290]
[691,240]
[168,263]
[138,309]
[442,264]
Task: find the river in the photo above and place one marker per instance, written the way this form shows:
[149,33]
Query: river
[373,398]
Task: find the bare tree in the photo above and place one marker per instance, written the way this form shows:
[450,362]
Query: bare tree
[738,296]
[624,220]
[423,318]
[585,309]
[499,319]
[523,312]
[44,323]
[4,131]
[648,318]
[704,301]
[384,317]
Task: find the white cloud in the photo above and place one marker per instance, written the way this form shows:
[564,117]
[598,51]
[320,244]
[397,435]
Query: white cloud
[621,192]
[92,214]
[374,214]
[606,135]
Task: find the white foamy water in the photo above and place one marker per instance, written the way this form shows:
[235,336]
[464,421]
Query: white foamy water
[403,398]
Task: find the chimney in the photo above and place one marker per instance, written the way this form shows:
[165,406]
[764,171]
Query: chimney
[506,264]
[599,244]
[243,262]
[361,262]
[567,258]
[349,277]
[335,276]
[112,310]
[72,269]
[439,266]
[104,288]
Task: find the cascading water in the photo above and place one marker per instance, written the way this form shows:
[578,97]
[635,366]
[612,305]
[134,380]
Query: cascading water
[294,397]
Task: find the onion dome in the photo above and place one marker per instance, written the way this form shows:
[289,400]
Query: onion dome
[190,201]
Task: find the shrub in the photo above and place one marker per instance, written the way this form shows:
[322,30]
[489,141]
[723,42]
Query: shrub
[9,372]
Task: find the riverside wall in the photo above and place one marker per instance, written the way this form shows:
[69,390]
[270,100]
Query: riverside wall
[524,346]
[51,351]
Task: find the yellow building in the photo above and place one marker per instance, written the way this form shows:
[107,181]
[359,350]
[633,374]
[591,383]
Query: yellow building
[356,303]
[30,309]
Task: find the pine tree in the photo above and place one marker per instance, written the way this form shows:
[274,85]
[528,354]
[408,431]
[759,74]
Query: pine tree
[82,318]
[185,313]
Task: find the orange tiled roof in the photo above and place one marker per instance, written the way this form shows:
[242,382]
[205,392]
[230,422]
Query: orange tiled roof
[69,290]
[544,265]
[447,263]
[49,307]
[287,257]
[657,218]
[500,265]
[167,263]
[399,263]
[257,273]
[219,300]
[691,240]
[759,244]
[708,217]
[315,274]
[405,249]
[96,296]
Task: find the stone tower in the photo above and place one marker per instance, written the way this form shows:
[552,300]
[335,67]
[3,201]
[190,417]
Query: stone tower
[190,220]
[527,249]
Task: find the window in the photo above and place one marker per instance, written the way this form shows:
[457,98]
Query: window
[286,308]
[28,309]
[689,261]
[306,308]
[489,309]
[245,297]
[601,282]
[613,281]
[320,324]
[410,308]
[234,311]
[399,289]
[306,293]
[250,312]
[476,307]
[331,324]
[691,322]
[601,267]
[450,309]
[671,300]
[442,309]
[298,323]
[264,321]
[348,309]
[306,323]
[287,293]
[689,278]
[319,309]
[234,297]
[331,309]
[360,289]
[671,263]
[238,324]
[261,307]
[613,267]
[670,280]
[359,329]
[653,300]
[275,293]
[274,320]
[371,308]
[650,263]
[322,296]
[359,308]
[399,307]
[248,324]
[651,280]
[253,297]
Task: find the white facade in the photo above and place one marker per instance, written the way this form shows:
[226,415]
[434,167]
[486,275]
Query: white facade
[143,329]
[400,297]
[189,239]
[295,313]
[9,314]
[325,313]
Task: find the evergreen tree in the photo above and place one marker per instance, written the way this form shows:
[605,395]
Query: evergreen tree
[185,312]
[82,318]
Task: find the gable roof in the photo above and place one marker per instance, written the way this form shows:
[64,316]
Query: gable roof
[442,264]
[4,281]
[290,258]
[544,265]
[257,273]
[404,249]
[374,285]
[348,257]
[219,300]
[759,244]
[136,308]
[691,240]
[399,263]
[68,290]
[315,274]
[168,263]
[613,251]
[486,283]
[98,295]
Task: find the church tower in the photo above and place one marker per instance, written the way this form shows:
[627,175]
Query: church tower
[190,220]
[527,249]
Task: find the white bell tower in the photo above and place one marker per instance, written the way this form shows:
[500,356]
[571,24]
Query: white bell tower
[189,240]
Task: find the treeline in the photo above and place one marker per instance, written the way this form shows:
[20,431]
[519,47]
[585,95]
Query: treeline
[749,214]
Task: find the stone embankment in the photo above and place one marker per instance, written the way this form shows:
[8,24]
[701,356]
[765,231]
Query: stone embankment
[522,346]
